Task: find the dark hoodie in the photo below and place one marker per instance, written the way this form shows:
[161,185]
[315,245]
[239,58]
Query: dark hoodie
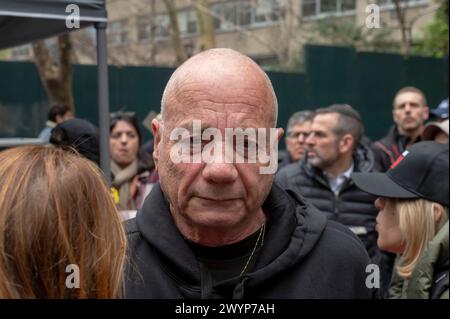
[303,256]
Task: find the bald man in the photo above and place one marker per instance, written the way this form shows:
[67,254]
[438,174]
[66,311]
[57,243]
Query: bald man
[216,226]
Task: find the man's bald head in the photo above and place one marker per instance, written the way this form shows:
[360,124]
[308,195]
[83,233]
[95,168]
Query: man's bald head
[220,69]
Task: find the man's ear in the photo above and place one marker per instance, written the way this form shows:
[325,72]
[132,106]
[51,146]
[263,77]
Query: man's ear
[346,143]
[156,128]
[280,133]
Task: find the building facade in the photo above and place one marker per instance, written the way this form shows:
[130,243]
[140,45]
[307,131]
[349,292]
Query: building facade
[270,31]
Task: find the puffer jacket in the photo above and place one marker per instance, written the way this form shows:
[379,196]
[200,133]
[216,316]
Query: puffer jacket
[351,206]
[430,277]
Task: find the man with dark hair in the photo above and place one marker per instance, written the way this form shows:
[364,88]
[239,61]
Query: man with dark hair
[323,177]
[410,112]
[57,114]
[298,129]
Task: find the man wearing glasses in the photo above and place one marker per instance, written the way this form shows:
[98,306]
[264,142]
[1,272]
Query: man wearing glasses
[298,129]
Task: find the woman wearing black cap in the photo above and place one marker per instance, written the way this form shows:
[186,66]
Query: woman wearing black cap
[413,219]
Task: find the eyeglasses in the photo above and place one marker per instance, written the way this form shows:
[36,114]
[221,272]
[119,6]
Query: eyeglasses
[120,114]
[298,134]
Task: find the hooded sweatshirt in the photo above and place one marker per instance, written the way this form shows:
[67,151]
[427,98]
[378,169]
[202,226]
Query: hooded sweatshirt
[303,256]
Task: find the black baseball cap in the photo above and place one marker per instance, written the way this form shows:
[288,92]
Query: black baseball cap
[420,172]
[80,134]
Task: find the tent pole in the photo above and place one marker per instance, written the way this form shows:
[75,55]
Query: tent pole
[103,99]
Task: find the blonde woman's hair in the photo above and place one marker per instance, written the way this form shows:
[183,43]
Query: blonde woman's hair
[418,227]
[56,210]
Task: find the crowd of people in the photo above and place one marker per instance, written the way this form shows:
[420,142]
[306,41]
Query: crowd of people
[220,228]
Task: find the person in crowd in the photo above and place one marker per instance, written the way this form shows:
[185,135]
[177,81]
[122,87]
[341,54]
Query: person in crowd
[440,113]
[60,234]
[436,131]
[323,177]
[220,228]
[298,129]
[410,112]
[80,135]
[413,198]
[58,113]
[133,176]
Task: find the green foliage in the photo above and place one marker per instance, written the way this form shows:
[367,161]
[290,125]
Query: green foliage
[435,41]
[347,33]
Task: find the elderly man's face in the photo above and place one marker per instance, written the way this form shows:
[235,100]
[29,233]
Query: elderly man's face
[219,194]
[409,112]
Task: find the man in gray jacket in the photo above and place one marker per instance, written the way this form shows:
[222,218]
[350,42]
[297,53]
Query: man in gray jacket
[323,177]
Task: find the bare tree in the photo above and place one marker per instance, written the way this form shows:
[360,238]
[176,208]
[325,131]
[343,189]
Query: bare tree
[406,36]
[406,25]
[206,25]
[55,72]
[180,50]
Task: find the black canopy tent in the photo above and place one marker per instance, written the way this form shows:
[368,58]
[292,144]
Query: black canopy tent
[23,21]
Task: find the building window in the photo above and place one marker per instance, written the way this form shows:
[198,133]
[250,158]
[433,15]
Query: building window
[348,5]
[144,28]
[266,11]
[247,13]
[318,7]
[225,18]
[118,32]
[162,23]
[390,2]
[244,12]
[310,8]
[187,22]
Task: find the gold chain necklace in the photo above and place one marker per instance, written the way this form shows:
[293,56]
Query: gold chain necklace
[260,236]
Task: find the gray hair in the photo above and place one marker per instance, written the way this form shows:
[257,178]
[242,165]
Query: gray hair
[299,118]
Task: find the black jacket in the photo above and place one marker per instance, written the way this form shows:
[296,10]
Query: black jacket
[351,207]
[303,256]
[284,159]
[390,147]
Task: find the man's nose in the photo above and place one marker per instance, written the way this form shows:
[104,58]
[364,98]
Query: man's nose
[220,173]
[303,137]
[310,139]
